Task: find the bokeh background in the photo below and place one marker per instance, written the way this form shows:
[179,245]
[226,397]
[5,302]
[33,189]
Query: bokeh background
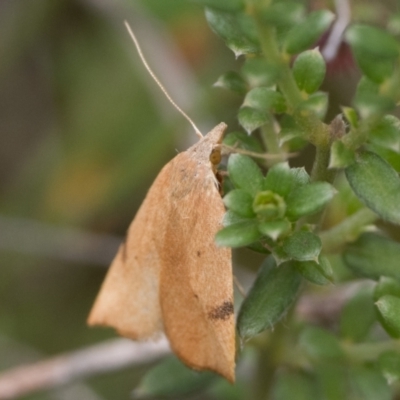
[83,132]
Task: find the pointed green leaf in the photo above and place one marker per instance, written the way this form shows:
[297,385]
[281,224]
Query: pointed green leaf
[317,273]
[238,235]
[308,199]
[265,99]
[302,246]
[376,184]
[309,70]
[274,229]
[386,286]
[341,156]
[251,118]
[272,293]
[240,202]
[376,71]
[389,309]
[307,33]
[317,103]
[373,256]
[281,179]
[245,174]
[351,116]
[244,141]
[231,218]
[226,25]
[231,80]
[260,72]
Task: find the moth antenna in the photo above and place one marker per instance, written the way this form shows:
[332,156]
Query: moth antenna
[152,74]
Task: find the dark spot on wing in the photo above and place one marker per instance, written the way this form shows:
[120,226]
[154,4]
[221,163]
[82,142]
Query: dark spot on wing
[195,295]
[198,253]
[223,311]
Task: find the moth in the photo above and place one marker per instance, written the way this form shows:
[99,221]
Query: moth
[169,275]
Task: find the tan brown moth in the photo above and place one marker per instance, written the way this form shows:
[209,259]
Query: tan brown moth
[169,276]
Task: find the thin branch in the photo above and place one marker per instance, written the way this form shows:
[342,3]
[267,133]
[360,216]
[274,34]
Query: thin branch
[98,359]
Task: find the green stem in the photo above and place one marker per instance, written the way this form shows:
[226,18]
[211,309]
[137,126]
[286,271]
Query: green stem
[270,139]
[367,352]
[347,231]
[320,171]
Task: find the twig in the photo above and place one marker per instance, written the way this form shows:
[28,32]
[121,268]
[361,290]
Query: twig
[267,156]
[60,370]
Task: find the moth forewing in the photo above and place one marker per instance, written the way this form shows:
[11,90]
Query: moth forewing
[129,297]
[170,273]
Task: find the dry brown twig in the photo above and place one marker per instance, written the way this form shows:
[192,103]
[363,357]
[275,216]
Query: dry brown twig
[66,368]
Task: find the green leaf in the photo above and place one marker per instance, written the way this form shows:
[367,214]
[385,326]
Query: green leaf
[264,99]
[351,116]
[386,133]
[251,118]
[341,156]
[369,102]
[231,80]
[376,184]
[305,34]
[373,256]
[369,384]
[282,179]
[284,14]
[372,41]
[231,218]
[227,26]
[376,71]
[302,246]
[238,235]
[386,286]
[333,381]
[294,385]
[260,72]
[272,293]
[244,141]
[275,229]
[319,344]
[172,379]
[389,309]
[317,273]
[245,174]
[309,70]
[358,316]
[389,364]
[317,103]
[240,202]
[308,199]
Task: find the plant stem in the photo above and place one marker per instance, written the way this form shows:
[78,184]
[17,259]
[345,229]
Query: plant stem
[347,231]
[271,143]
[320,171]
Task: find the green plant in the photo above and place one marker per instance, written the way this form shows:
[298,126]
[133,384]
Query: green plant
[286,214]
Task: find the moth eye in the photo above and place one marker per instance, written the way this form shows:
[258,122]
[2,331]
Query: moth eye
[215,156]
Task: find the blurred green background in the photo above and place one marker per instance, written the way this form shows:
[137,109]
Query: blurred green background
[83,133]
